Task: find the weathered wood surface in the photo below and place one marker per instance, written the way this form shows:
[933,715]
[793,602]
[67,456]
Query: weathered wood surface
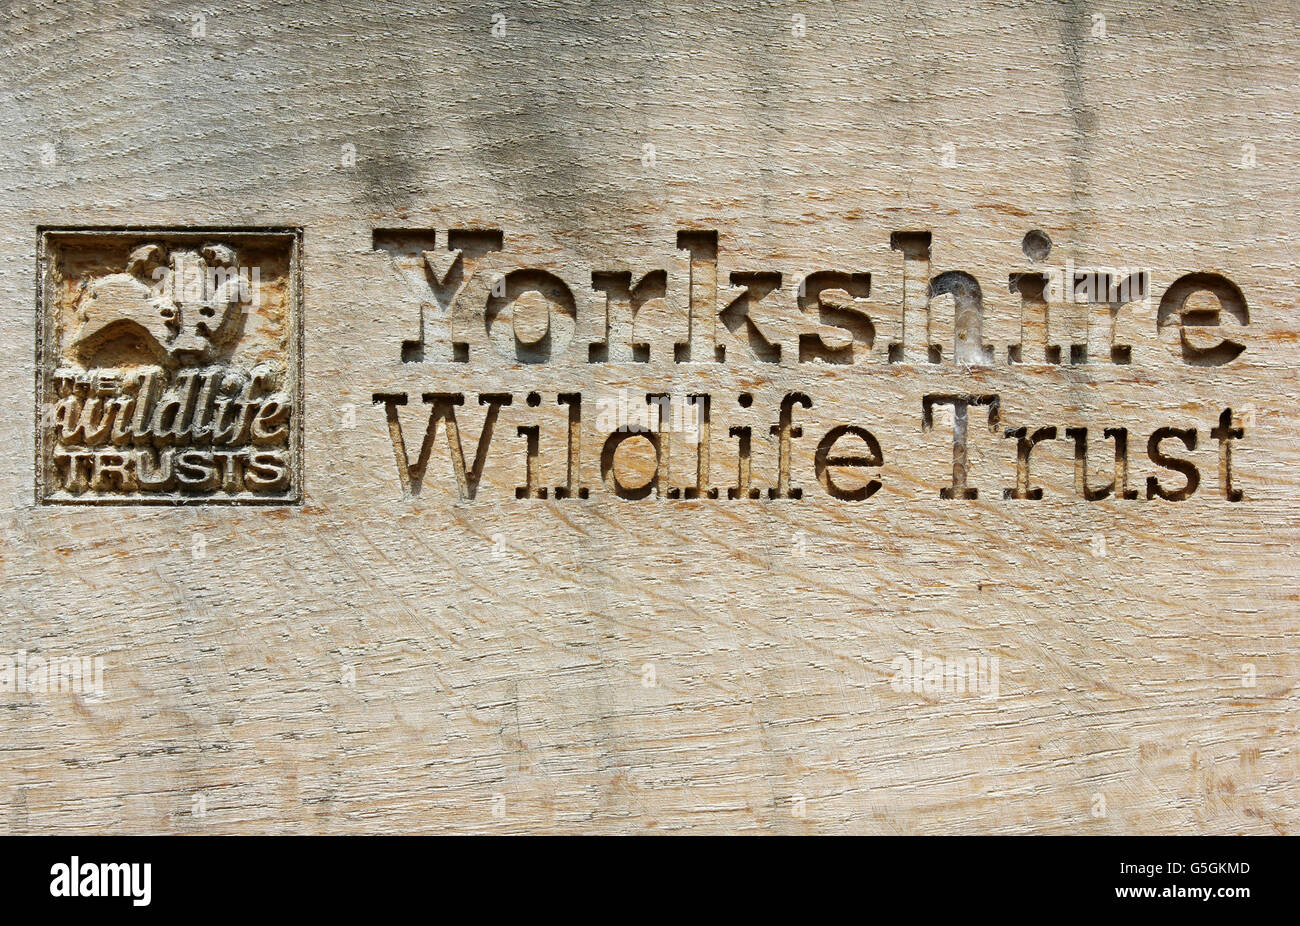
[368,661]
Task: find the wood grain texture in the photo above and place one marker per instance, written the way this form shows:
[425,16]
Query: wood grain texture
[373,662]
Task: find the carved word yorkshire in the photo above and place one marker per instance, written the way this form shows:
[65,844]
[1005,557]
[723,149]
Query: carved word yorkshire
[168,369]
[473,300]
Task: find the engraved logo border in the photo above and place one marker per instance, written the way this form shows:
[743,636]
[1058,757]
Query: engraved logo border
[294,355]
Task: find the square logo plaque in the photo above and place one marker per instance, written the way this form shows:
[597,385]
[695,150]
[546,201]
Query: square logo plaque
[168,366]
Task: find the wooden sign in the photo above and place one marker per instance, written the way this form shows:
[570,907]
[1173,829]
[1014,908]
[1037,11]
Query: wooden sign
[778,421]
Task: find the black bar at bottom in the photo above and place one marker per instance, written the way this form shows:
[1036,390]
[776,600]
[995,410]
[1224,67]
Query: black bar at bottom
[335,876]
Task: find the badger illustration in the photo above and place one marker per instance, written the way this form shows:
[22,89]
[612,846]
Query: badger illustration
[183,306]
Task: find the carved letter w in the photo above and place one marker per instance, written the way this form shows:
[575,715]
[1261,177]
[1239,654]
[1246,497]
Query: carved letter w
[444,407]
